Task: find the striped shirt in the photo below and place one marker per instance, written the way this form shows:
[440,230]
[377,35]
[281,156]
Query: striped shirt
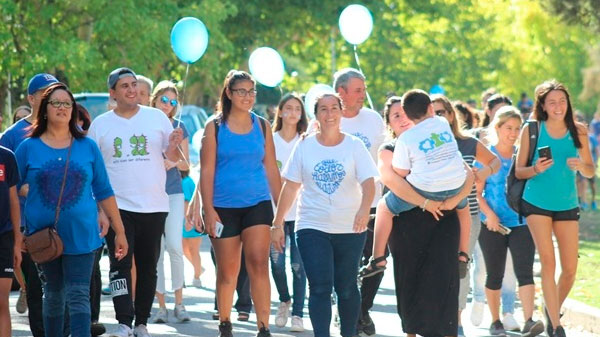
[468,150]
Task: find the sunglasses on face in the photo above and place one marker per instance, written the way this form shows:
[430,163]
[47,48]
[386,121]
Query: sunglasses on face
[440,112]
[165,100]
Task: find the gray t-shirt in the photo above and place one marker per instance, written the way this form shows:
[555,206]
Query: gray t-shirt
[173,184]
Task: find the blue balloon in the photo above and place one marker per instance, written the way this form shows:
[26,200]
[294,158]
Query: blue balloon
[266,65]
[437,89]
[189,39]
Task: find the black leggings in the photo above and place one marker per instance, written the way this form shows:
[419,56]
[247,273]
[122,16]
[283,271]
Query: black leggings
[494,247]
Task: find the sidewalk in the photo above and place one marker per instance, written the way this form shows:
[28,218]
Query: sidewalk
[199,304]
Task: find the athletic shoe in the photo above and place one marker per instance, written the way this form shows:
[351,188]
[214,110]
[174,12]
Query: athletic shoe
[594,206]
[497,329]
[263,332]
[366,325]
[225,329]
[532,328]
[559,332]
[461,332]
[181,314]
[22,302]
[297,324]
[97,329]
[122,331]
[197,283]
[283,313]
[162,316]
[141,331]
[510,323]
[583,206]
[477,313]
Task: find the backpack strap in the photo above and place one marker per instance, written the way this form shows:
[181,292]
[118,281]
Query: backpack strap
[533,139]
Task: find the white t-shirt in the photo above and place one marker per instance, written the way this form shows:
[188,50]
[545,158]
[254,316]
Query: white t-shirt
[430,152]
[133,154]
[369,127]
[330,176]
[283,151]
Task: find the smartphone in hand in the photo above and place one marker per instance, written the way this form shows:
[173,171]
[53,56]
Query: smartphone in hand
[545,152]
[504,230]
[218,229]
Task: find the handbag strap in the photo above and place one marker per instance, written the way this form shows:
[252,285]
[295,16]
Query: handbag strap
[533,138]
[62,187]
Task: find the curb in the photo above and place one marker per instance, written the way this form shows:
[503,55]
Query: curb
[581,315]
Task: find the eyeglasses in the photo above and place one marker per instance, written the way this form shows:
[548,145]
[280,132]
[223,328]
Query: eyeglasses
[165,100]
[244,92]
[440,112]
[58,104]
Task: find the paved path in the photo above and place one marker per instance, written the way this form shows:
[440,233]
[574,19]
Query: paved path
[199,303]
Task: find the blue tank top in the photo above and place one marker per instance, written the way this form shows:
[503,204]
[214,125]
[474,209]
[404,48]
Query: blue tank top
[240,176]
[554,189]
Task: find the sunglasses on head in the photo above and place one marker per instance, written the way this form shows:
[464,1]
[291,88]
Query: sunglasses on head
[165,100]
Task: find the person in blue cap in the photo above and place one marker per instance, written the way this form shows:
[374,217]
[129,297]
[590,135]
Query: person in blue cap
[11,139]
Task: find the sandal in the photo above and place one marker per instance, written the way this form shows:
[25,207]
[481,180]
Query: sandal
[243,316]
[463,266]
[372,268]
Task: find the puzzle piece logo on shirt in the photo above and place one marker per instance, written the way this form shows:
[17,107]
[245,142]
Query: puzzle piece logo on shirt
[328,175]
[434,141]
[2,175]
[364,139]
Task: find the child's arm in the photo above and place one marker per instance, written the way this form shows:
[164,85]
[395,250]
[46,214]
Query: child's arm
[451,202]
[15,218]
[401,172]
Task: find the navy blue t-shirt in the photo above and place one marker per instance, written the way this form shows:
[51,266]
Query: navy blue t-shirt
[9,177]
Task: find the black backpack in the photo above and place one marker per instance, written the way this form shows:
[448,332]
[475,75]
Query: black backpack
[514,186]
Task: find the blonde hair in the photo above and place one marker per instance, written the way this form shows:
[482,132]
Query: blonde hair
[161,88]
[502,116]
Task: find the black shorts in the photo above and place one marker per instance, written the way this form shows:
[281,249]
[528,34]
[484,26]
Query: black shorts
[591,180]
[7,245]
[235,220]
[528,209]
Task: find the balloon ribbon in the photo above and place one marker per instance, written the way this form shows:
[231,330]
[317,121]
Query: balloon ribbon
[360,69]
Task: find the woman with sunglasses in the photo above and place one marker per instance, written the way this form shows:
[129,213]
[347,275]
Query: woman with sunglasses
[56,144]
[164,97]
[239,178]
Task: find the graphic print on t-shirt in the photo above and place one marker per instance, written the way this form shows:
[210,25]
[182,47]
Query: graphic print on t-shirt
[434,150]
[328,175]
[2,176]
[138,145]
[50,179]
[364,139]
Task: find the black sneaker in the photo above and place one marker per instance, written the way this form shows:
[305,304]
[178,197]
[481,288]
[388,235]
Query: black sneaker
[559,332]
[532,328]
[225,329]
[366,325]
[263,332]
[97,329]
[497,329]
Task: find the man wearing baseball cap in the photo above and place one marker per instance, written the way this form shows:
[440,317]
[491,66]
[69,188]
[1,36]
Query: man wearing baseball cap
[11,139]
[133,139]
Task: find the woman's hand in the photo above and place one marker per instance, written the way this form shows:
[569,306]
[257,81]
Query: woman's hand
[103,223]
[450,203]
[360,220]
[210,218]
[575,164]
[542,164]
[193,212]
[169,164]
[24,190]
[434,207]
[278,237]
[492,222]
[121,246]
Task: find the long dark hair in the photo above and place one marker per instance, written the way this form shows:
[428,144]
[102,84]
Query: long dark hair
[41,123]
[224,105]
[494,100]
[539,114]
[302,123]
[466,112]
[84,116]
[386,112]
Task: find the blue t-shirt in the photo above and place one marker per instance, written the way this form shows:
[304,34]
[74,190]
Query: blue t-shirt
[188,187]
[9,177]
[593,147]
[14,135]
[173,183]
[42,167]
[494,193]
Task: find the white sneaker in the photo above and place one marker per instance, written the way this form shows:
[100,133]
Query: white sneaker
[510,324]
[122,331]
[181,314]
[283,313]
[197,283]
[477,313]
[141,331]
[297,324]
[162,316]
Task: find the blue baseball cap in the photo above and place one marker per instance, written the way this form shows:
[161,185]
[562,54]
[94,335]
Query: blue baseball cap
[39,82]
[118,74]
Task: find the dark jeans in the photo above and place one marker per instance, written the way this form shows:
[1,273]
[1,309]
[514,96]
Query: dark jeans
[280,275]
[494,246]
[244,300]
[331,260]
[34,296]
[96,286]
[67,281]
[143,232]
[370,285]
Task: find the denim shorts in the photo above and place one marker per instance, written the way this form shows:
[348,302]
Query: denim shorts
[397,205]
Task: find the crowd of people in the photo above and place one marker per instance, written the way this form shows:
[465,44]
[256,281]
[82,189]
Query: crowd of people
[424,182]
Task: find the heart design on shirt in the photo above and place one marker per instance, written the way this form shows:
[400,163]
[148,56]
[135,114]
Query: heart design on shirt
[328,175]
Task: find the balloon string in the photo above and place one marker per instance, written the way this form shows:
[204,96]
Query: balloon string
[187,69]
[360,69]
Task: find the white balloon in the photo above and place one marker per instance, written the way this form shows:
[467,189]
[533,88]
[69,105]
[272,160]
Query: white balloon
[356,24]
[311,96]
[266,65]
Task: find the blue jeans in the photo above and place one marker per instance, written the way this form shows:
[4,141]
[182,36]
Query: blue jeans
[331,260]
[279,273]
[396,205]
[68,279]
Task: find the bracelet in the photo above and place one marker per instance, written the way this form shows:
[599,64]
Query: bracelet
[491,169]
[276,227]
[465,255]
[535,170]
[424,204]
